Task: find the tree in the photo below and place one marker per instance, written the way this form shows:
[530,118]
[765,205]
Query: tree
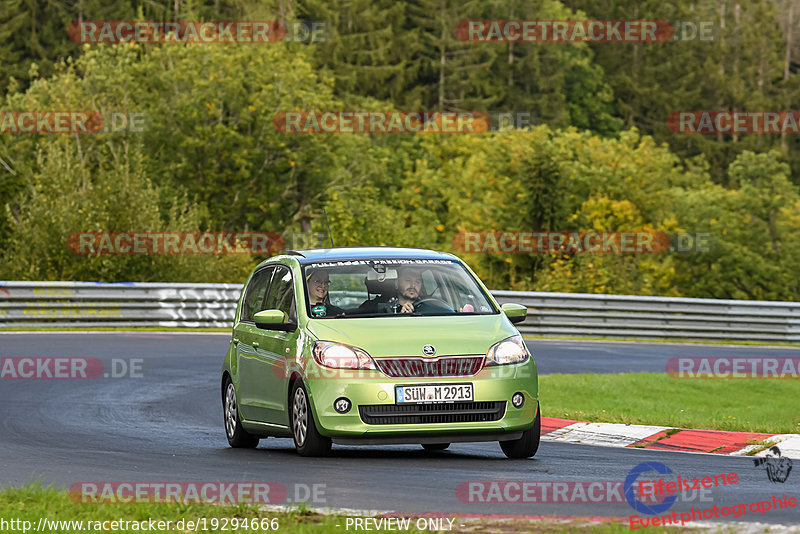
[68,195]
[742,68]
[34,35]
[369,48]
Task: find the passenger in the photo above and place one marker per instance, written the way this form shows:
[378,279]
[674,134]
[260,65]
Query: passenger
[318,298]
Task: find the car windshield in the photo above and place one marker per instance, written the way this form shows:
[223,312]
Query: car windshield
[385,288]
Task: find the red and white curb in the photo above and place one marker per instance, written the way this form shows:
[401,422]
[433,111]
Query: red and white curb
[668,438]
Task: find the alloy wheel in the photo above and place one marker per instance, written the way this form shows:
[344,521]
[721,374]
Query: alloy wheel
[300,416]
[230,410]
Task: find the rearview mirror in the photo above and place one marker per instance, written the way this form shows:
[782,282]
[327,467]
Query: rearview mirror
[273,320]
[516,313]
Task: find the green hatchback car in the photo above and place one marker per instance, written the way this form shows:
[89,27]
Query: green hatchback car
[377,346]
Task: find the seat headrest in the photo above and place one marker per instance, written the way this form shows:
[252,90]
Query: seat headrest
[376,287]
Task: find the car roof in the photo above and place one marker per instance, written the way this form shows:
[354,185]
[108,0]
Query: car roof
[366,253]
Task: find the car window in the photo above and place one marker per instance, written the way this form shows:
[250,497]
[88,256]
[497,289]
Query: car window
[254,296]
[465,296]
[364,288]
[429,286]
[347,291]
[281,293]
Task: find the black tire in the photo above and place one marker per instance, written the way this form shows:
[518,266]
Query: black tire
[237,436]
[435,446]
[528,444]
[307,439]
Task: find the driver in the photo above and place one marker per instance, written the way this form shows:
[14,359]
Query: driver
[407,289]
[408,285]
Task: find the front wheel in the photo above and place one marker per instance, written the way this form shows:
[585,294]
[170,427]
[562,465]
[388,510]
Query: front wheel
[307,440]
[528,444]
[238,437]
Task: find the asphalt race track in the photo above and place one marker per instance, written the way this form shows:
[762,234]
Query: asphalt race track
[167,426]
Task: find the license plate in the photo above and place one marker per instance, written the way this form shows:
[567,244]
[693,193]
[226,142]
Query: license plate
[433,393]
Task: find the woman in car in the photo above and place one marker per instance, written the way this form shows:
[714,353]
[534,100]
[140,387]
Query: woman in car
[318,298]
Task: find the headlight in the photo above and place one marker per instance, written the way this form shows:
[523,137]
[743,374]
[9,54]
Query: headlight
[341,356]
[510,350]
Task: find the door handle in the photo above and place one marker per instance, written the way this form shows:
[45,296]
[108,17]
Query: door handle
[255,344]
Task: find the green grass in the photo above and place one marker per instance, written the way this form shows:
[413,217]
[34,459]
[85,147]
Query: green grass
[744,405]
[31,502]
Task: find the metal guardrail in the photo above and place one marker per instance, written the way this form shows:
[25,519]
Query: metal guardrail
[93,304]
[90,304]
[628,316]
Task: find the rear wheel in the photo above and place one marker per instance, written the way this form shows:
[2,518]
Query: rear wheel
[307,440]
[528,444]
[435,446]
[238,437]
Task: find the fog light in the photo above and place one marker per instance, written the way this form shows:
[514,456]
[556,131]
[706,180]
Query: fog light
[342,405]
[518,399]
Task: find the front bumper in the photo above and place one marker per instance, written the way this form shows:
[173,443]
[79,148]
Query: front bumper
[492,387]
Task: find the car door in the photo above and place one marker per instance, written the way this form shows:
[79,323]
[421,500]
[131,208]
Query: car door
[274,346]
[245,339]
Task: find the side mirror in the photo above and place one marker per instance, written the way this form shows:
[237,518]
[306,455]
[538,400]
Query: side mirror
[516,313]
[273,320]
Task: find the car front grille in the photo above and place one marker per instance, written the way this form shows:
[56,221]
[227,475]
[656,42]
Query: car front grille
[430,367]
[456,412]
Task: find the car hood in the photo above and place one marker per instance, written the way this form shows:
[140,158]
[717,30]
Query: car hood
[405,336]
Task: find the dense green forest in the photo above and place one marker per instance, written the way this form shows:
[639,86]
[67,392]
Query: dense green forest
[599,154]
